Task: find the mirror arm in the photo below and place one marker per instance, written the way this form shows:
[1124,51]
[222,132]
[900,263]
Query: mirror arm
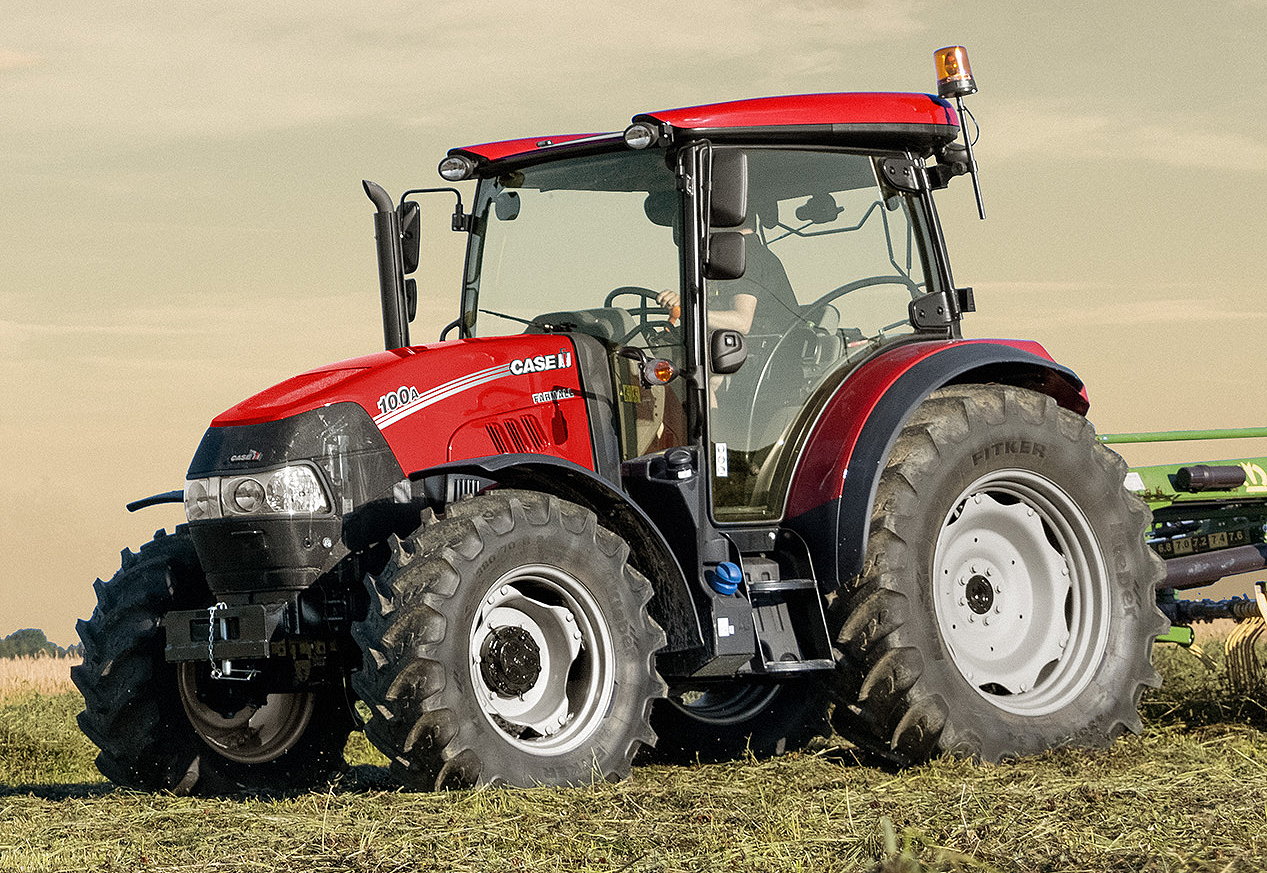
[462,221]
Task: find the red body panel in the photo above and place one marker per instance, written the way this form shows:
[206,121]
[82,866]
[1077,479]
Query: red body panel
[876,108]
[449,401]
[856,108]
[820,473]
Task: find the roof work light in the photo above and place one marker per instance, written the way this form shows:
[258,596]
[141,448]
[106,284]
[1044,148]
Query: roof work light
[954,73]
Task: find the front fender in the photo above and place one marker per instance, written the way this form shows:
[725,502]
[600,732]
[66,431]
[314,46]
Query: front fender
[672,605]
[833,486]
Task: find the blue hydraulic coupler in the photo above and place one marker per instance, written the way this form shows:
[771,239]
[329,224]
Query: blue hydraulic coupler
[725,578]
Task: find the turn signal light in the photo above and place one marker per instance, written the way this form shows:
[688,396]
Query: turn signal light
[658,371]
[954,73]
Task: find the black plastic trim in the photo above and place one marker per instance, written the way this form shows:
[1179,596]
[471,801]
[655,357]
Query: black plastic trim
[250,553]
[600,403]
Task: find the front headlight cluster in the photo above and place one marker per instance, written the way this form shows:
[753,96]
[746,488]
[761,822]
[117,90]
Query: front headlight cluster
[291,490]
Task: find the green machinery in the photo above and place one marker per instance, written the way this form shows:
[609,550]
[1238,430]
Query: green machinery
[1209,522]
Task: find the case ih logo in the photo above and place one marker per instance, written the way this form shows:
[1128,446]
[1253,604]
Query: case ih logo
[245,457]
[541,363]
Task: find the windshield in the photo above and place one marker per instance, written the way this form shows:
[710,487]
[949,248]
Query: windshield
[584,244]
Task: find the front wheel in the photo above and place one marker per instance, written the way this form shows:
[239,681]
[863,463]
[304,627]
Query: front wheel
[509,643]
[1007,602]
[163,726]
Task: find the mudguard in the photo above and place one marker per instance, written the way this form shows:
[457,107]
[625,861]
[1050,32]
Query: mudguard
[672,605]
[833,486]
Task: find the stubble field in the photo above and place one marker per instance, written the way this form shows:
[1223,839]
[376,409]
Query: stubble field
[1189,794]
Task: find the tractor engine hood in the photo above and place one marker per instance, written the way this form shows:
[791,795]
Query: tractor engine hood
[446,401]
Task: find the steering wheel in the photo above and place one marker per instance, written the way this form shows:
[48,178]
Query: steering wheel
[644,310]
[850,287]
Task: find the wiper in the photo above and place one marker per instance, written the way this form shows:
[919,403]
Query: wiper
[509,317]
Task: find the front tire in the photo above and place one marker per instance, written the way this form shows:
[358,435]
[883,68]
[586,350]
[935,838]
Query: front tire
[160,726]
[509,643]
[1007,603]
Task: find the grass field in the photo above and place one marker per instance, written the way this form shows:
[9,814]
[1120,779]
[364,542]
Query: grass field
[1189,794]
[24,676]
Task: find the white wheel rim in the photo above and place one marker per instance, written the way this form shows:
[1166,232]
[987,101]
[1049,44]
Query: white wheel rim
[560,692]
[1021,592]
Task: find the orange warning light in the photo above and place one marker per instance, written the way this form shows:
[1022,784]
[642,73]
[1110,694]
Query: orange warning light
[662,371]
[954,73]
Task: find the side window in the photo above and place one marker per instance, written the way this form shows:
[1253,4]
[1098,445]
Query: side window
[834,258]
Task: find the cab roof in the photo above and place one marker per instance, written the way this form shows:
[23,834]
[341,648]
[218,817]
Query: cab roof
[920,121]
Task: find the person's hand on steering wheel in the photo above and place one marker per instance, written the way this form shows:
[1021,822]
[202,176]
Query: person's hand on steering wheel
[672,302]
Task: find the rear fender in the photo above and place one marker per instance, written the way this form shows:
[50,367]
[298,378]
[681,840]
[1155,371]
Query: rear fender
[671,605]
[833,487]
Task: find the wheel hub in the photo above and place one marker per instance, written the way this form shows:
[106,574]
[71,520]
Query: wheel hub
[979,594]
[541,659]
[510,661]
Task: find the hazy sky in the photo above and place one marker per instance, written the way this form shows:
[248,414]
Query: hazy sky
[183,223]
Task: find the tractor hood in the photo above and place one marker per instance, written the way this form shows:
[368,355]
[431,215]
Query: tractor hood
[445,401]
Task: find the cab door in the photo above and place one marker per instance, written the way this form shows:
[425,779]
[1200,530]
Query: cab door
[834,257]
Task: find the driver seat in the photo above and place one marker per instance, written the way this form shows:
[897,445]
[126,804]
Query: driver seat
[610,324]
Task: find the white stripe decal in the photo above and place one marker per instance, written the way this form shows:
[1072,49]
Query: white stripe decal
[441,392]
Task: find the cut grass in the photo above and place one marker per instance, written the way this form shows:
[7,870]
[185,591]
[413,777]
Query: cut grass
[1189,794]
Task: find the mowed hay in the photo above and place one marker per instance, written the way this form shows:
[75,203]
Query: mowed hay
[39,675]
[1186,796]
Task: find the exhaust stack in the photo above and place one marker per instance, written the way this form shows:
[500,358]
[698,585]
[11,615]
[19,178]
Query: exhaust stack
[391,269]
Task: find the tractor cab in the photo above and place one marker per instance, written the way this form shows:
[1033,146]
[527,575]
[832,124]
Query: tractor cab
[731,263]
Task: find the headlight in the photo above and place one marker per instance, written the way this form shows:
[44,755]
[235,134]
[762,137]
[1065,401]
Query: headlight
[202,499]
[248,496]
[291,490]
[296,490]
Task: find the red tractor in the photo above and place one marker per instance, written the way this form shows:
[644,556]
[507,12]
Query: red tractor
[703,464]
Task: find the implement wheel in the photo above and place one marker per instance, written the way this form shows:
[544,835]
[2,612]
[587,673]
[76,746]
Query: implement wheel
[509,643]
[1007,602]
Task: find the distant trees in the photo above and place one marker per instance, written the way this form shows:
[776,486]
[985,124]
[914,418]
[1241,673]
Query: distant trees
[31,642]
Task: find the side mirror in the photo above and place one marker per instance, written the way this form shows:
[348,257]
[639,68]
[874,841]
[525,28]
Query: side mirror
[728,194]
[506,206]
[727,351]
[410,234]
[727,256]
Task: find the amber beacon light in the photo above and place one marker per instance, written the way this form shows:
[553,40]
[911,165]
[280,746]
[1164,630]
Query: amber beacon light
[954,81]
[954,73]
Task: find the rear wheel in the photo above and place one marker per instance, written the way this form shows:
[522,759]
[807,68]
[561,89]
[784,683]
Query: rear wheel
[722,721]
[1007,603]
[163,726]
[509,643]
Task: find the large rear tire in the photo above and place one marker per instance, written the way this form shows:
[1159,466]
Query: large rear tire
[1007,601]
[509,643]
[163,726]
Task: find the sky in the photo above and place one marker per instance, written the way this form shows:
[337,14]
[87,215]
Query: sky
[183,222]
